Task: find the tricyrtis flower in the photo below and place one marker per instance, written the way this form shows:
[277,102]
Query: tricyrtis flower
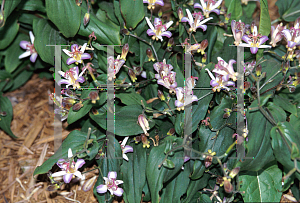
[143,122]
[145,141]
[162,69]
[276,34]
[76,55]
[30,50]
[195,21]
[151,3]
[169,82]
[225,69]
[218,84]
[69,168]
[238,30]
[111,184]
[114,66]
[158,30]
[72,77]
[254,41]
[191,83]
[208,6]
[125,149]
[184,97]
[292,36]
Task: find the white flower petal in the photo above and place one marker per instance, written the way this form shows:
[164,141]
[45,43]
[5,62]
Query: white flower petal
[149,24]
[59,173]
[124,141]
[31,37]
[169,24]
[83,47]
[25,54]
[70,154]
[67,52]
[189,15]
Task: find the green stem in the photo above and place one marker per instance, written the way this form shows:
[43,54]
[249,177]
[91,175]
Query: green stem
[270,79]
[205,95]
[275,21]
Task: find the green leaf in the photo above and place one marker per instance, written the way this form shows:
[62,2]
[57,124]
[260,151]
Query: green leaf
[132,12]
[109,10]
[236,10]
[22,77]
[68,20]
[285,104]
[263,185]
[263,100]
[46,34]
[11,60]
[157,176]
[176,187]
[33,5]
[76,115]
[9,31]
[9,6]
[5,106]
[279,145]
[130,98]
[75,141]
[264,24]
[134,175]
[105,30]
[195,186]
[4,77]
[125,120]
[168,164]
[259,145]
[277,112]
[288,9]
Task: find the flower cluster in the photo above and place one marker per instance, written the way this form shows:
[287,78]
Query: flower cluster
[223,72]
[195,21]
[165,76]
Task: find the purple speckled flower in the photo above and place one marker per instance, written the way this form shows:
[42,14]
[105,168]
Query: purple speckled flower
[76,55]
[72,77]
[69,169]
[208,6]
[111,184]
[158,30]
[195,21]
[151,3]
[30,50]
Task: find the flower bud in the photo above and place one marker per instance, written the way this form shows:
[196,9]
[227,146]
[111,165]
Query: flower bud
[180,13]
[204,57]
[170,44]
[228,186]
[285,67]
[124,31]
[143,122]
[132,75]
[160,13]
[203,46]
[258,70]
[125,50]
[220,180]
[161,95]
[139,91]
[247,85]
[94,96]
[94,111]
[208,161]
[78,2]
[171,131]
[77,106]
[227,16]
[86,19]
[89,184]
[145,141]
[92,2]
[137,70]
[150,54]
[137,139]
[234,172]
